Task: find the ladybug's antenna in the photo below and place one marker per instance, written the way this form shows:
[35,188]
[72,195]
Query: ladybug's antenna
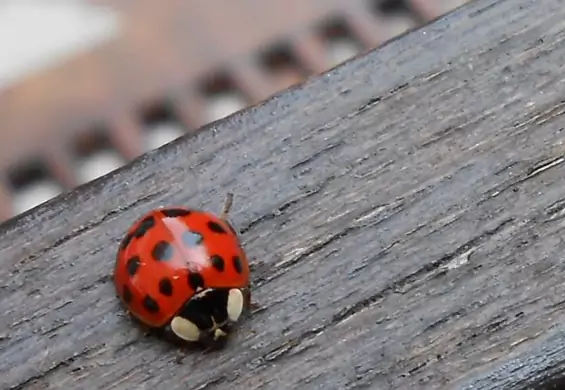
[227,205]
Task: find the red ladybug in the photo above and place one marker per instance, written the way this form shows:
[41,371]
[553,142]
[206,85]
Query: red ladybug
[184,273]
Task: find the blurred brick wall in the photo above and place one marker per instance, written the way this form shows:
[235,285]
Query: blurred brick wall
[174,66]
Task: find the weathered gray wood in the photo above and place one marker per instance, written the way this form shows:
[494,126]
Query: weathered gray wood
[404,214]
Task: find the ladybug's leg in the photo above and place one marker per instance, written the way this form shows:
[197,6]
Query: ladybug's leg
[209,347]
[180,356]
[227,206]
[255,308]
[251,307]
[247,298]
[145,330]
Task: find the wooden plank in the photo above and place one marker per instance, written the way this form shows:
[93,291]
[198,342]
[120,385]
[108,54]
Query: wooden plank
[403,214]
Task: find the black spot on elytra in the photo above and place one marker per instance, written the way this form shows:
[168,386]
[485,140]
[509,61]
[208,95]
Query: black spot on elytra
[191,239]
[166,287]
[126,241]
[150,304]
[133,265]
[217,262]
[162,251]
[237,264]
[195,281]
[174,213]
[144,226]
[126,294]
[216,227]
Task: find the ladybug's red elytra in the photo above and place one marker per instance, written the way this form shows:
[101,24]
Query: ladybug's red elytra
[183,272]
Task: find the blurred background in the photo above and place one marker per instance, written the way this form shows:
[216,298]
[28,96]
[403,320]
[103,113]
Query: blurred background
[88,85]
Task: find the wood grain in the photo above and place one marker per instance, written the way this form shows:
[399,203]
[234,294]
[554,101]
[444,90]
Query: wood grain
[404,214]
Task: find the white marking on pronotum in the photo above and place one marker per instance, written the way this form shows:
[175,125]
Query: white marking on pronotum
[185,329]
[219,333]
[235,304]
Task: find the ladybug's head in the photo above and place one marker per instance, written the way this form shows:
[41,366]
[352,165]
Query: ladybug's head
[208,315]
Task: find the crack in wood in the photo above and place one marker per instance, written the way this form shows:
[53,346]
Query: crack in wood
[540,118]
[371,103]
[283,266]
[315,189]
[42,375]
[296,345]
[315,155]
[532,172]
[555,211]
[414,277]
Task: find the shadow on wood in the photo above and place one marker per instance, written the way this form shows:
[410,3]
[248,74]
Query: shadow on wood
[404,215]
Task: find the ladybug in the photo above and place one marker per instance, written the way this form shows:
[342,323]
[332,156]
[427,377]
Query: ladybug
[183,273]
